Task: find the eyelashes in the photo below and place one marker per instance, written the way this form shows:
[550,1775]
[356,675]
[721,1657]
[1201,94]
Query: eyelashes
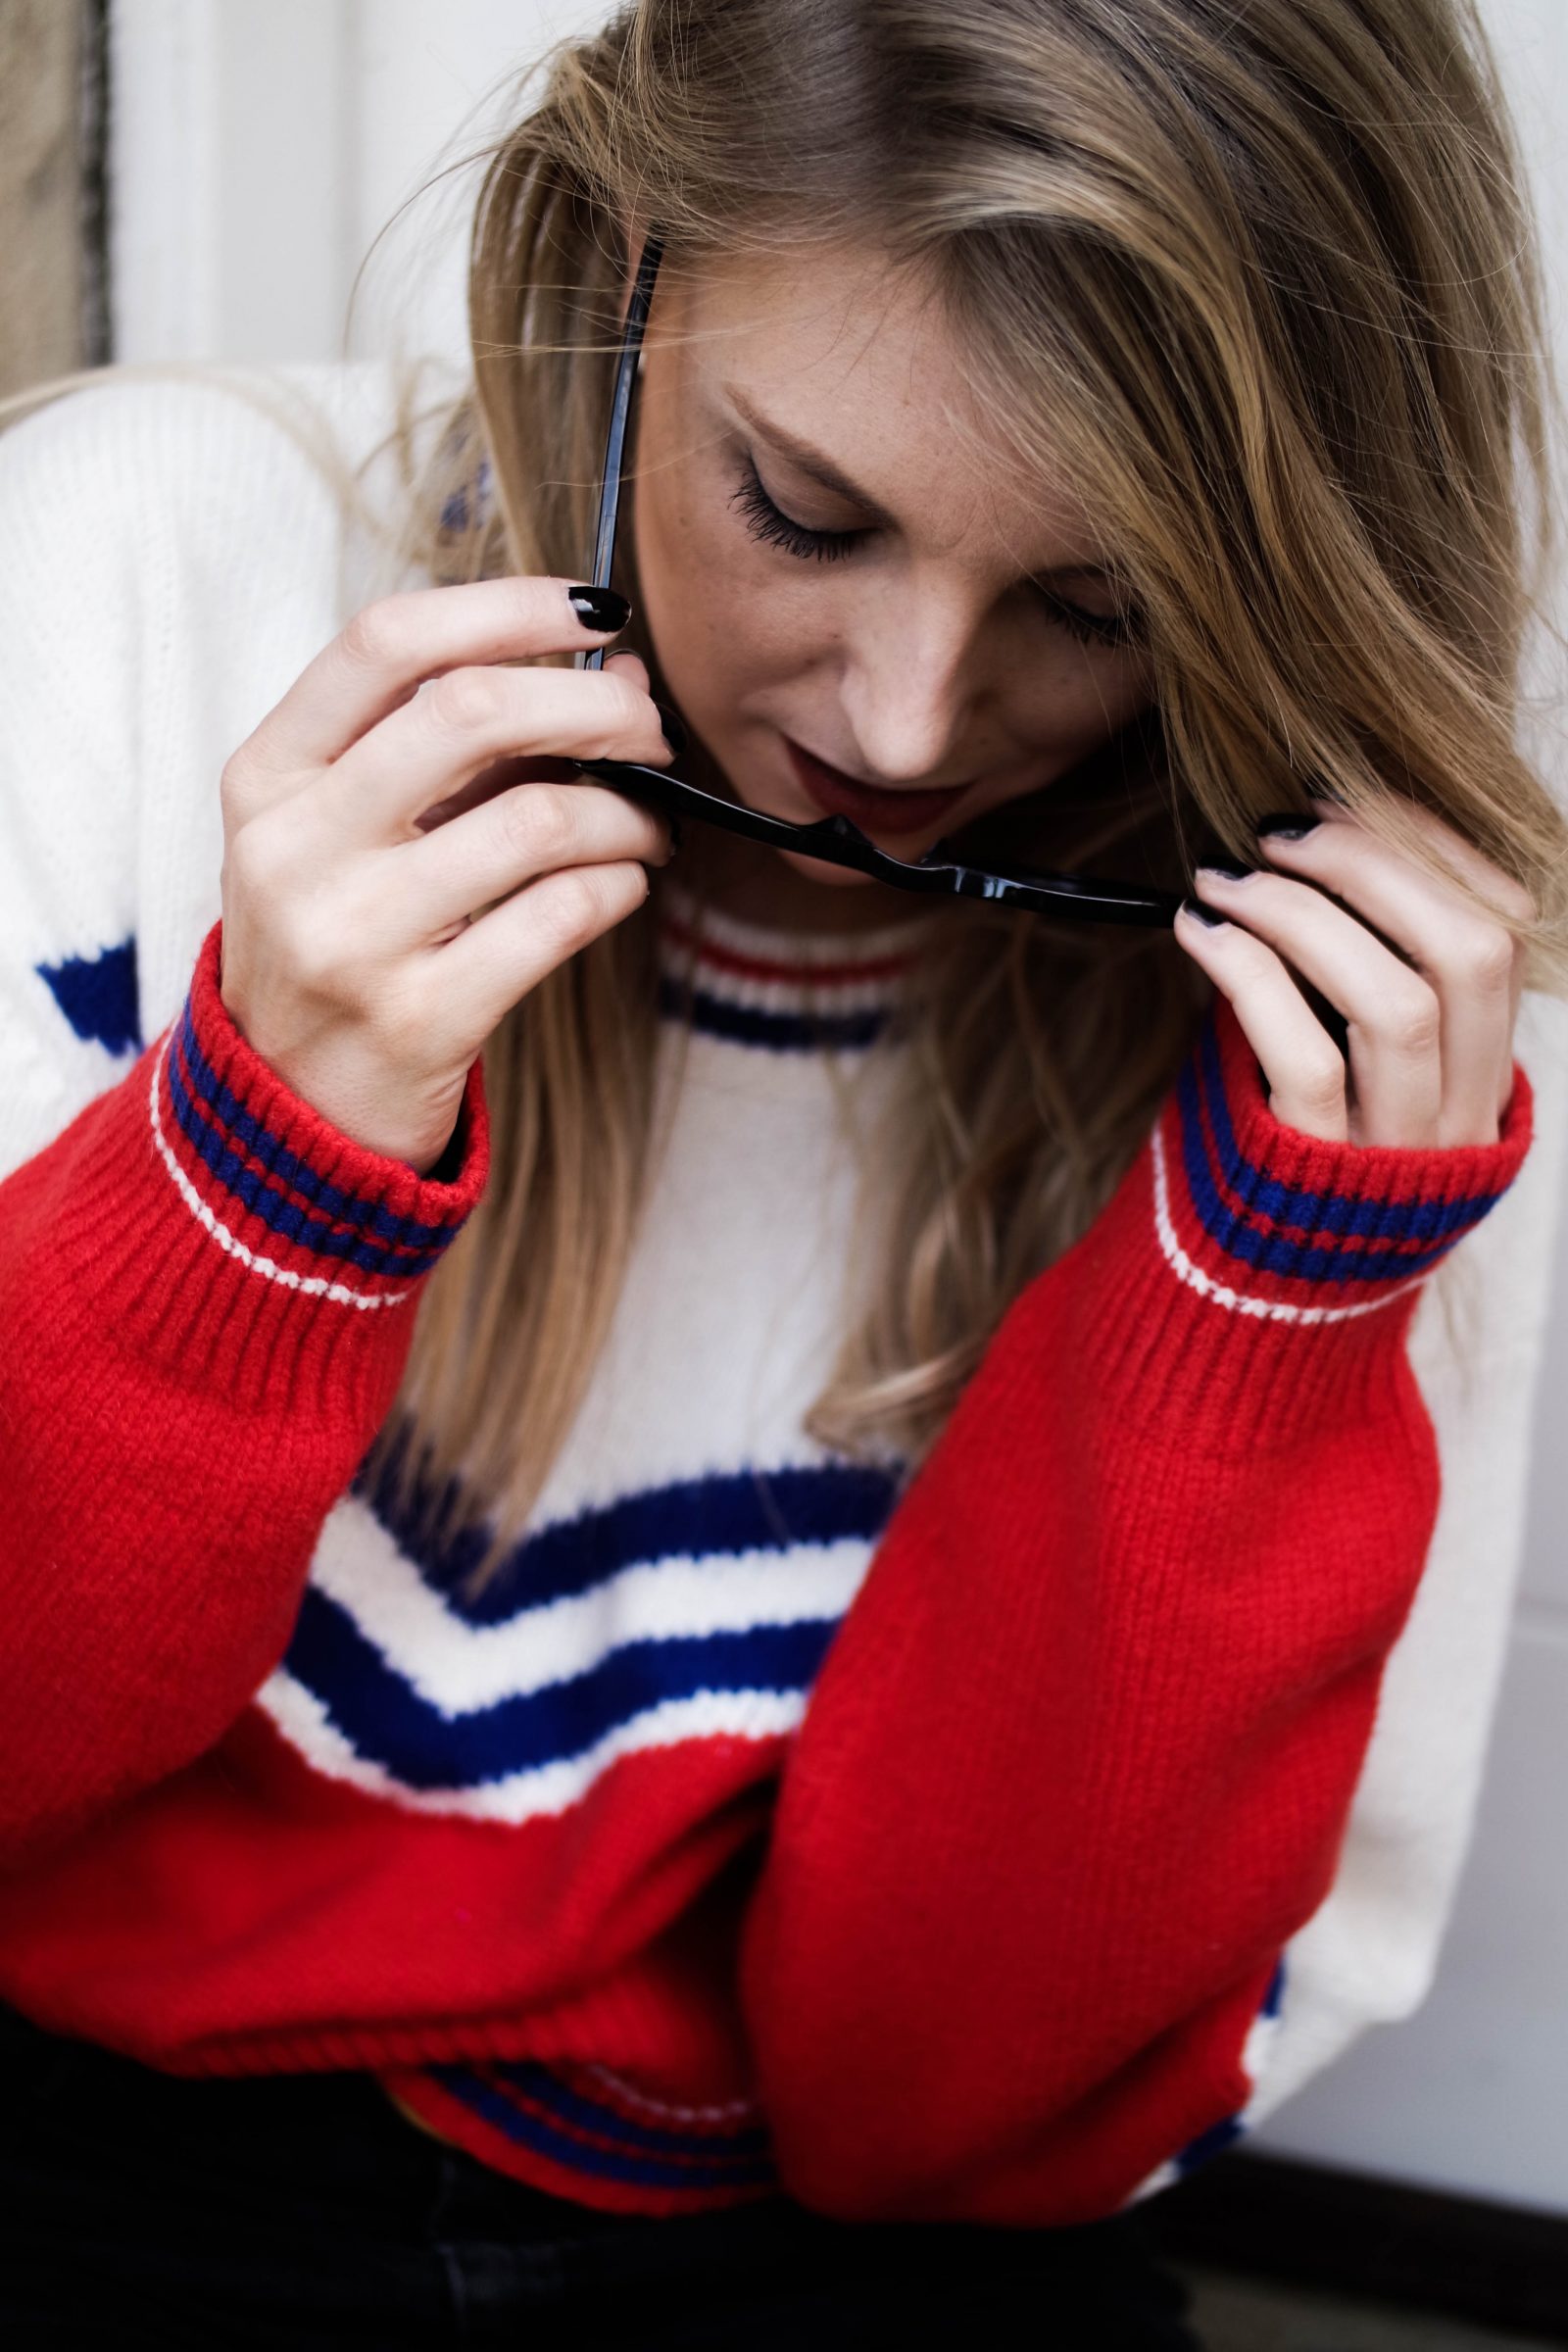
[768,522]
[1090,628]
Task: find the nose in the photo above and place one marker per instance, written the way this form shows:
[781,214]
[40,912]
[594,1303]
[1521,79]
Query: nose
[909,685]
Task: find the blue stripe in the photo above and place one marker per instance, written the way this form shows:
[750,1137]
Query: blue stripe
[1211,2143]
[531,2131]
[1274,1998]
[98,996]
[403,1253]
[387,1722]
[725,1513]
[1360,1215]
[591,2115]
[1230,2129]
[1363,1215]
[1391,1221]
[343,1207]
[779,1032]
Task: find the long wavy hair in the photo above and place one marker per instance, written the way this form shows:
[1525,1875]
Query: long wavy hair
[1262,280]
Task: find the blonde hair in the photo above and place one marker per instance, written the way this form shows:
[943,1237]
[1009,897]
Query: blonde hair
[1262,280]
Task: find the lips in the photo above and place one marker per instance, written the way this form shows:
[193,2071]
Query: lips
[868,804]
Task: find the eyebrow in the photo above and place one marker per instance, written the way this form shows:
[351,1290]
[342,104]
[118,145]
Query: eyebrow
[820,468]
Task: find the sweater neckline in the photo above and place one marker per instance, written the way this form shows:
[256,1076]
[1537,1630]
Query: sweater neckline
[740,961]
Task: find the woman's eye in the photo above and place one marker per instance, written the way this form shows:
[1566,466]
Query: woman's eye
[1090,628]
[768,521]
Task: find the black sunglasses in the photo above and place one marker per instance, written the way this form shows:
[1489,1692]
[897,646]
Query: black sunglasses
[1081,897]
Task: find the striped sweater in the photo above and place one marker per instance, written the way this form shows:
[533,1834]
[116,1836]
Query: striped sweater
[990,1843]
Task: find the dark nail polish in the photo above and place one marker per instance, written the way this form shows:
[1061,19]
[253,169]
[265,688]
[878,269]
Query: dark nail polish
[599,607]
[1227,867]
[1287,827]
[1204,914]
[674,732]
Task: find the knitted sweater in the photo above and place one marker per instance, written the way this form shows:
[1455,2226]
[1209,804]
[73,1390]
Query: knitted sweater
[991,1845]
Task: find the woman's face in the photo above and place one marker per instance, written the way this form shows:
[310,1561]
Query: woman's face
[838,593]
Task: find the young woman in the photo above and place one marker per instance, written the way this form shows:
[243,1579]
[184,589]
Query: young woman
[700,1561]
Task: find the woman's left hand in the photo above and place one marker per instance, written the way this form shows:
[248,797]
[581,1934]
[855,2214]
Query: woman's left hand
[1429,1058]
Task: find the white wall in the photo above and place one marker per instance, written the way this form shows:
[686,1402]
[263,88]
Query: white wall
[258,145]
[261,145]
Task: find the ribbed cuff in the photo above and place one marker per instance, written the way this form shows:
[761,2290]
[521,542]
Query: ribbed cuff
[1267,1268]
[270,1243]
[322,1213]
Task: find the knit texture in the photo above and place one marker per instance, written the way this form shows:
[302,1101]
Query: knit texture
[994,1842]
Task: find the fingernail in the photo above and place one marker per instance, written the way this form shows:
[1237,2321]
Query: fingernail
[1286,826]
[1227,869]
[599,607]
[674,732]
[1204,914]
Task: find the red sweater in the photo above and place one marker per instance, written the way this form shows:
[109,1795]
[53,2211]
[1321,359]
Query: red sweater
[983,1938]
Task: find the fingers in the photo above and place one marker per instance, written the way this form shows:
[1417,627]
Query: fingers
[1469,960]
[1511,902]
[511,948]
[1487,882]
[465,720]
[1427,981]
[385,653]
[1305,1068]
[1393,1013]
[536,828]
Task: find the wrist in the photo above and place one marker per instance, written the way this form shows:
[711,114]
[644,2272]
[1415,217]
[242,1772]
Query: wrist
[284,1250]
[1249,1280]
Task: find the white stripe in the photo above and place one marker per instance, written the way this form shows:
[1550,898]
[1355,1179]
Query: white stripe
[459,1668]
[1164,2176]
[1261,2035]
[304,1723]
[767,943]
[312,1286]
[1272,1310]
[726,2111]
[788,1000]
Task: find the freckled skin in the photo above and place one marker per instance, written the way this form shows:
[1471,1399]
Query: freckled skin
[920,659]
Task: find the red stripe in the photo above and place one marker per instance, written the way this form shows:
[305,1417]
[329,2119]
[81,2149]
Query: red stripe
[806,975]
[587,2136]
[206,1180]
[452,2121]
[1389,1248]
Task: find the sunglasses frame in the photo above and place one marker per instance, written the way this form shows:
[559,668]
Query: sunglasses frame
[941,872]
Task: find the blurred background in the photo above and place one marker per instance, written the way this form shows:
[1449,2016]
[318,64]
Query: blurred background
[203,179]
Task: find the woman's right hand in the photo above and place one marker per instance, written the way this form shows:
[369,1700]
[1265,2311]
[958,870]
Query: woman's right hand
[367,955]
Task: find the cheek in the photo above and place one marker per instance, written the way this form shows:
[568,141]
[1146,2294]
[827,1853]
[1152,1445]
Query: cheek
[1089,697]
[717,620]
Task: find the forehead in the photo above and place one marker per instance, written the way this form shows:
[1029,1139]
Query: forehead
[856,356]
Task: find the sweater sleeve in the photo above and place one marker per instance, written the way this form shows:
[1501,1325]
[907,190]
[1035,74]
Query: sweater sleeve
[1081,1758]
[206,1297]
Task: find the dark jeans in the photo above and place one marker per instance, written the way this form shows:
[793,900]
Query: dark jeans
[141,2210]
